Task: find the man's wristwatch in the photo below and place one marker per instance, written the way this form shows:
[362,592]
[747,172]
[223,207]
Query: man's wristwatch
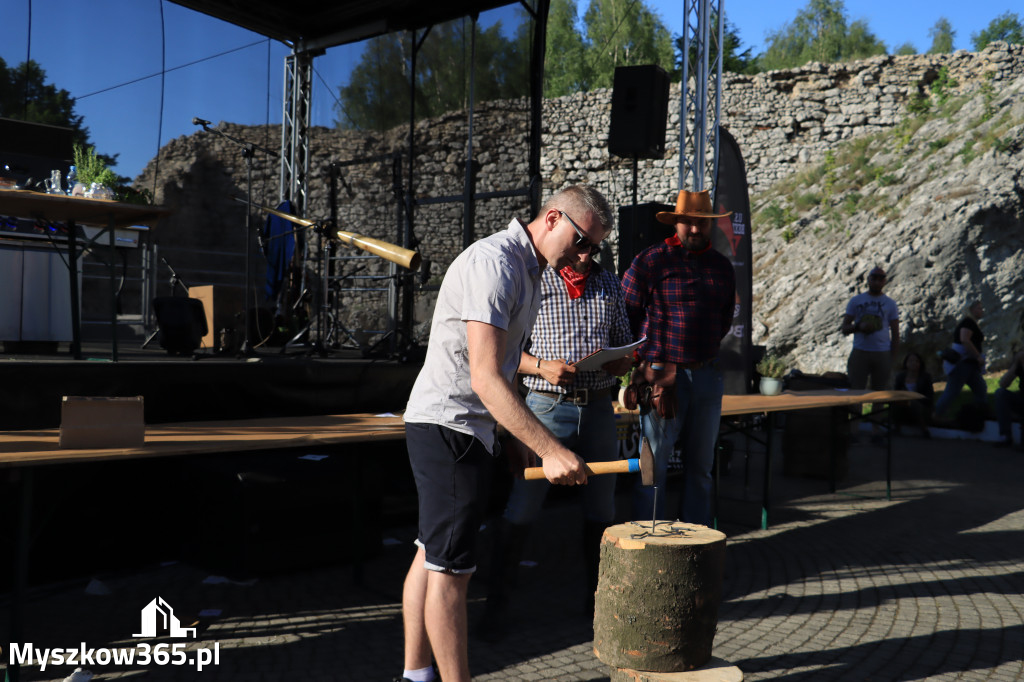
[538,363]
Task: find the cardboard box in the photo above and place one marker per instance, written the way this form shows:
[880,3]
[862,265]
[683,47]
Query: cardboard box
[102,423]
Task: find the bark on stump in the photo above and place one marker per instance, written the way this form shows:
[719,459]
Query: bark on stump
[656,607]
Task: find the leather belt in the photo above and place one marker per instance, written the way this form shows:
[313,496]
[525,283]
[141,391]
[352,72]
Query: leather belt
[580,397]
[695,365]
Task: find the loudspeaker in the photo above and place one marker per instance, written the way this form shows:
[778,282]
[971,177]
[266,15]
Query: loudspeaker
[810,438]
[182,323]
[636,235]
[639,110]
[32,150]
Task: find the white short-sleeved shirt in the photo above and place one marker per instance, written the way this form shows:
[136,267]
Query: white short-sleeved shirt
[882,306]
[497,281]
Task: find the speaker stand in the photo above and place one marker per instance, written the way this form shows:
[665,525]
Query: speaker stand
[175,281]
[635,173]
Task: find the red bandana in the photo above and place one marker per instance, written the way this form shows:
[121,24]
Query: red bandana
[674,241]
[574,281]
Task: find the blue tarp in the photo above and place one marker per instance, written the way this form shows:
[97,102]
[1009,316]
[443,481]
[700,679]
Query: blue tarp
[278,247]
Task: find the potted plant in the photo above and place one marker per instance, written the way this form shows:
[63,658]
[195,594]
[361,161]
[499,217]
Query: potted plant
[92,174]
[771,368]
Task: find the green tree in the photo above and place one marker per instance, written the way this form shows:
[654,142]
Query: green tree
[564,63]
[942,35]
[1006,27]
[623,33]
[820,32]
[733,60]
[905,49]
[615,33]
[377,94]
[26,96]
[860,42]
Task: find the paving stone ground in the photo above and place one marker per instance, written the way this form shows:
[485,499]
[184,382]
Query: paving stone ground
[926,586]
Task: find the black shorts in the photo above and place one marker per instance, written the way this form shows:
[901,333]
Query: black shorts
[451,470]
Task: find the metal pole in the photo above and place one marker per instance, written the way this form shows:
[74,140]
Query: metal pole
[468,212]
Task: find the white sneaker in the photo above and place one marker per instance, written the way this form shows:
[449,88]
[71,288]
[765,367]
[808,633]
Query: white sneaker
[79,676]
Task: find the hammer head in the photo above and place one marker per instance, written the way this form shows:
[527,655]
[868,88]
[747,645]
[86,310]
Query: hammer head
[646,463]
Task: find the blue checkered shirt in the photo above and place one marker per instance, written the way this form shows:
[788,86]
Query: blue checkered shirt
[571,329]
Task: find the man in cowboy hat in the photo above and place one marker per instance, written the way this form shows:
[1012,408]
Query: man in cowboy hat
[680,293]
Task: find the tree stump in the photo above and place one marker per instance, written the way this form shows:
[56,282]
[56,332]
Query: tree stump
[656,607]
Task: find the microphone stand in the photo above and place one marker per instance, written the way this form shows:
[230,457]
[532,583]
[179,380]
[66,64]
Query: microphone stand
[327,324]
[324,316]
[248,148]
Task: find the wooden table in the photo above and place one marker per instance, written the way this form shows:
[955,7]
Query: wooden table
[805,400]
[788,401]
[35,448]
[74,210]
[22,451]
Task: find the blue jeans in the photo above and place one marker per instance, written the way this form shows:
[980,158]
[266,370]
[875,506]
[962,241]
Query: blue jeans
[964,372]
[1007,403]
[695,426]
[589,431]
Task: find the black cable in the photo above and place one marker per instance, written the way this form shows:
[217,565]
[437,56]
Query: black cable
[28,60]
[163,82]
[166,71]
[608,42]
[266,125]
[337,100]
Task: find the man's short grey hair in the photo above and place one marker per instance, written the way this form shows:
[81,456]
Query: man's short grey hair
[579,199]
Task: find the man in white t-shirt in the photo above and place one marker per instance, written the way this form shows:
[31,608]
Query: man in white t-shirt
[484,315]
[874,321]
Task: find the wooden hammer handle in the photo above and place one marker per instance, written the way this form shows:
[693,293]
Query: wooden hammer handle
[618,466]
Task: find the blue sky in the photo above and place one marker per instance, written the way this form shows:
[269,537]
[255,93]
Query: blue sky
[95,49]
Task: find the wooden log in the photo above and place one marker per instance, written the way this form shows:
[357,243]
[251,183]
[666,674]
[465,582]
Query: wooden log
[716,670]
[656,607]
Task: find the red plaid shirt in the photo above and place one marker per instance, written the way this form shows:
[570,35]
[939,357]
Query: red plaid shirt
[682,300]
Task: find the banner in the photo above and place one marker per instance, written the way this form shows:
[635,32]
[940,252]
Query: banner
[732,239]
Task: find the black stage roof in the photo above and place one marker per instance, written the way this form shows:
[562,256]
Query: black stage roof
[319,24]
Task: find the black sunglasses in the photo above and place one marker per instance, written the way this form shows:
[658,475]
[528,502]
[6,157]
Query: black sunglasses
[582,241]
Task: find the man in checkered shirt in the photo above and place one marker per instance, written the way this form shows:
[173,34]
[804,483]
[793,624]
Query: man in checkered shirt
[581,310]
[681,294]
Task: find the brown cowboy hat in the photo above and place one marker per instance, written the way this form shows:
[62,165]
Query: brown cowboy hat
[691,205]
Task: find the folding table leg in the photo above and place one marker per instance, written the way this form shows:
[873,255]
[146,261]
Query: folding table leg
[24,541]
[765,500]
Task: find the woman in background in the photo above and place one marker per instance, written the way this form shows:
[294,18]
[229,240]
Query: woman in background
[969,368]
[914,377]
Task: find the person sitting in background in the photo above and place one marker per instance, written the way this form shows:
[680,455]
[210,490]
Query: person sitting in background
[1010,402]
[914,377]
[969,366]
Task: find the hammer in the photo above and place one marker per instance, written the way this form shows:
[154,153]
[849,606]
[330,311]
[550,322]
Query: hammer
[644,464]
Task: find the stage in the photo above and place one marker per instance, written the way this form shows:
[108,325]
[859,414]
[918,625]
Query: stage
[267,383]
[137,509]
